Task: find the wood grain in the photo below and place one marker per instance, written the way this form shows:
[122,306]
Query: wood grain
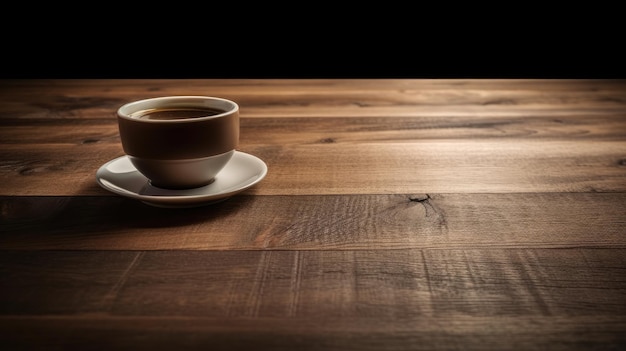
[197,333]
[406,299]
[397,214]
[88,98]
[531,220]
[315,130]
[514,135]
[456,166]
[389,284]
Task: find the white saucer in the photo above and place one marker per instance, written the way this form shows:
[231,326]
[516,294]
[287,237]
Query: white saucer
[241,172]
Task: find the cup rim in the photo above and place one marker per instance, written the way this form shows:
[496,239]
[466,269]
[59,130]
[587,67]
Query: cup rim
[227,105]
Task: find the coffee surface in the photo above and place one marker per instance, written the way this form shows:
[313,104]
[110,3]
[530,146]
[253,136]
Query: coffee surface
[175,113]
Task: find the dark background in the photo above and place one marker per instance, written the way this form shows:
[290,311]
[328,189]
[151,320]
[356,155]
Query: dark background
[313,41]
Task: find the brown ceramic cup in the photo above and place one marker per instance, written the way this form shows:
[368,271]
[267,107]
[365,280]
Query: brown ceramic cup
[179,142]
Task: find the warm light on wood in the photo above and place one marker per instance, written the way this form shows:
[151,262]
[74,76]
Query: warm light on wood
[396,214]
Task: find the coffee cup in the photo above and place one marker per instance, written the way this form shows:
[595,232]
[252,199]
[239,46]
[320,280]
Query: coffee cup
[179,142]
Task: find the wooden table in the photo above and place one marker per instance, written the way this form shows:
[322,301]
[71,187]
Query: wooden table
[399,214]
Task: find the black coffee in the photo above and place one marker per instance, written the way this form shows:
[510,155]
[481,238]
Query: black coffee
[176,113]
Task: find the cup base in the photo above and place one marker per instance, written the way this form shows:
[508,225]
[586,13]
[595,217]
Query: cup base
[181,174]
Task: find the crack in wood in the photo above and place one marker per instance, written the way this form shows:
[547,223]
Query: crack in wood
[420,198]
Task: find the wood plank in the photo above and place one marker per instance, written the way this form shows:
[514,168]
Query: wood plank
[441,221]
[198,333]
[310,130]
[473,166]
[433,166]
[535,88]
[389,284]
[94,98]
[477,299]
[388,128]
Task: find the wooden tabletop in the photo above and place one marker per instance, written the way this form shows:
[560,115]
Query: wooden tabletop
[396,214]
